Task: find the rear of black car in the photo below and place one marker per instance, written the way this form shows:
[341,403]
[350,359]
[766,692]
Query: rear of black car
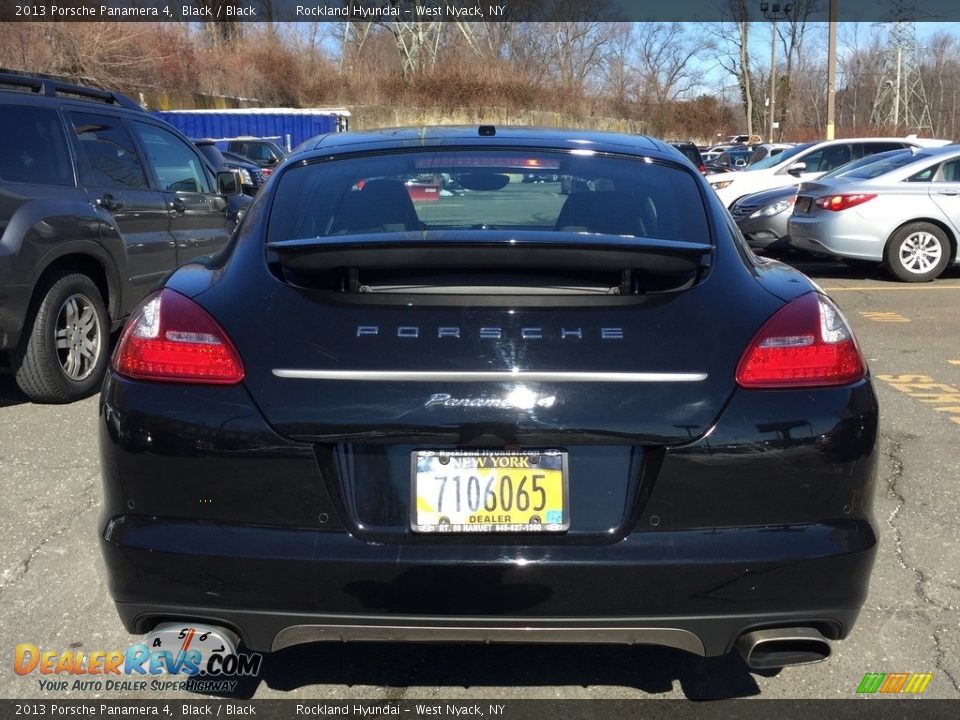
[501,414]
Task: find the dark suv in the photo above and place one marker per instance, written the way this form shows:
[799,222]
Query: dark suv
[265,153]
[691,152]
[250,174]
[98,202]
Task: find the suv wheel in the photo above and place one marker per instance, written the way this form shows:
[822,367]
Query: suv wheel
[67,350]
[917,252]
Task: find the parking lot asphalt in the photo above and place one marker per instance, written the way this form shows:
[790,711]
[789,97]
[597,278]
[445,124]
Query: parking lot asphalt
[53,593]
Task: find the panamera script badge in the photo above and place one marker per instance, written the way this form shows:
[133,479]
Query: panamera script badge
[520,398]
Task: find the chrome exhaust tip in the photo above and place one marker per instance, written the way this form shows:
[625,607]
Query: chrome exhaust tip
[778,647]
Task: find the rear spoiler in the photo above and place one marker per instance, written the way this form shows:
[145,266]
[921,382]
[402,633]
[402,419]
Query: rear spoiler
[491,250]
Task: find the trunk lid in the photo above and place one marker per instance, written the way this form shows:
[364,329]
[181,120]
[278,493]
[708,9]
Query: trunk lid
[477,367]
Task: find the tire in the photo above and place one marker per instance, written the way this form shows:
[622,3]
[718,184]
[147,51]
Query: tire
[917,252]
[72,309]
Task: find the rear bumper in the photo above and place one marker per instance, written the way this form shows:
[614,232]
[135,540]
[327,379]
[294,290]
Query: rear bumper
[840,236]
[767,233]
[693,590]
[699,635]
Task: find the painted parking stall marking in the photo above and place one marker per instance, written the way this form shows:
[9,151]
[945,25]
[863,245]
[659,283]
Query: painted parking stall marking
[944,398]
[886,317]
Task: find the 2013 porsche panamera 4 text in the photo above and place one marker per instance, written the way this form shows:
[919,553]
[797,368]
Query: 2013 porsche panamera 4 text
[665,441]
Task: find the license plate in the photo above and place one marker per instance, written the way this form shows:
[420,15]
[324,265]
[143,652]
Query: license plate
[802,206]
[489,491]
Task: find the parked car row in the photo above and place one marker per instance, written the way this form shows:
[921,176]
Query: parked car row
[804,162]
[900,208]
[902,211]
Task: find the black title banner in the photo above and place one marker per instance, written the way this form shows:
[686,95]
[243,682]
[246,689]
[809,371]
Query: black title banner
[409,11]
[434,709]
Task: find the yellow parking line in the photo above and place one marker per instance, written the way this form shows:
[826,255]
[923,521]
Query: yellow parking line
[954,362]
[885,317]
[926,390]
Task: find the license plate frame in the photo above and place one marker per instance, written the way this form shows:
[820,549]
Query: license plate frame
[483,464]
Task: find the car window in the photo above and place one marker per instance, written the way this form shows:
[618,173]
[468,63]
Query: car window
[772,160]
[833,157]
[925,175]
[106,152]
[177,166]
[33,148]
[258,151]
[812,161]
[871,148]
[479,190]
[213,154]
[949,172]
[691,153]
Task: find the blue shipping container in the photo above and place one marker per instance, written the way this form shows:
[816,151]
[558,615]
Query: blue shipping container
[286,126]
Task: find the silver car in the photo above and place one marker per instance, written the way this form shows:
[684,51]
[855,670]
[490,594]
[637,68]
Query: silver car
[903,212]
[762,217]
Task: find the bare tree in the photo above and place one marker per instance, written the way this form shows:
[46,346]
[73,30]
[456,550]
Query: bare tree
[860,66]
[619,72]
[734,36]
[940,69]
[664,60]
[792,34]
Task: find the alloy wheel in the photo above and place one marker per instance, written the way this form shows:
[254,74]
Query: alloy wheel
[920,252]
[78,337]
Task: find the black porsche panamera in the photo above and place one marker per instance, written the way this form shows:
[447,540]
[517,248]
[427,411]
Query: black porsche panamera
[491,412]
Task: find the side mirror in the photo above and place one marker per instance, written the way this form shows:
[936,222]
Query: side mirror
[228,182]
[796,168]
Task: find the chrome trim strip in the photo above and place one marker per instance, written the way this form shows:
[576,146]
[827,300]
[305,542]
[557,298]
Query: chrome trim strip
[666,637]
[491,376]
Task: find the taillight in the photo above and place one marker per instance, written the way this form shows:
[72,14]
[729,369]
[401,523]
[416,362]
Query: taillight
[266,172]
[806,343]
[703,169]
[844,201]
[169,338]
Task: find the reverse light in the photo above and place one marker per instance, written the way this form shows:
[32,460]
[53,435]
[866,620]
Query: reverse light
[170,338]
[807,343]
[843,201]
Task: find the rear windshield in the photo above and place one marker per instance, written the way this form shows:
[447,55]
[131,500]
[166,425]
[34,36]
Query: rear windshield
[478,190]
[855,165]
[877,169]
[691,153]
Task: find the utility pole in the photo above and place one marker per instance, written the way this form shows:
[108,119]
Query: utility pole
[774,12]
[832,72]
